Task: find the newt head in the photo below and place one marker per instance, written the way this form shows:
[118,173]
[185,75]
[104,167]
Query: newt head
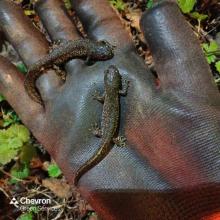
[102,50]
[112,78]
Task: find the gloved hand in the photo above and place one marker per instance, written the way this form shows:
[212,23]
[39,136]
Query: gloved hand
[170,167]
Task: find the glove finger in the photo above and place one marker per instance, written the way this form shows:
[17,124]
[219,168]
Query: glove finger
[56,20]
[100,22]
[11,86]
[30,44]
[179,60]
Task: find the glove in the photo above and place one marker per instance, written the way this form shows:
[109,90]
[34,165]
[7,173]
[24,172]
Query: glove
[170,167]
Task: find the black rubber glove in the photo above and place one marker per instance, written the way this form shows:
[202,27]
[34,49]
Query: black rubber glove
[170,168]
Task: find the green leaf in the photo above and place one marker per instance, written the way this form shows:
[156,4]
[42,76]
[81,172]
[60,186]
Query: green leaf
[28,151]
[20,172]
[217,80]
[29,12]
[34,209]
[54,170]
[9,118]
[7,153]
[149,4]
[211,47]
[11,141]
[68,4]
[26,216]
[2,98]
[186,5]
[15,142]
[198,16]
[211,58]
[19,131]
[210,50]
[118,4]
[92,213]
[22,68]
[217,66]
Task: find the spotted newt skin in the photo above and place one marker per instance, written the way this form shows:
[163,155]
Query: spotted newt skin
[110,119]
[82,48]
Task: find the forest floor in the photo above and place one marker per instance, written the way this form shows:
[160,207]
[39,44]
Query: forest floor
[29,171]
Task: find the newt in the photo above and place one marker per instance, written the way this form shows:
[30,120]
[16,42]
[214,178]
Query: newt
[63,52]
[113,89]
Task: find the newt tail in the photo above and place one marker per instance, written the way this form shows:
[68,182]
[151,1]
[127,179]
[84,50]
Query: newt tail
[94,160]
[29,85]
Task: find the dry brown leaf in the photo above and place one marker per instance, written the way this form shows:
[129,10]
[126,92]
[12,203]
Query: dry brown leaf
[58,187]
[135,16]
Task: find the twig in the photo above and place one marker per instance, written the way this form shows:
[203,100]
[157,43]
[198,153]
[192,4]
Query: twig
[5,193]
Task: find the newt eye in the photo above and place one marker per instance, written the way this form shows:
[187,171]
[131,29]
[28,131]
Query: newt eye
[103,41]
[106,43]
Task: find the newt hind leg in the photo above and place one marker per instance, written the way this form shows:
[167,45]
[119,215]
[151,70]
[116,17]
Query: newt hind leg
[57,43]
[97,96]
[120,141]
[59,72]
[96,130]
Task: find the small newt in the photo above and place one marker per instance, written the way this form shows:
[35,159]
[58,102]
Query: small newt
[110,119]
[65,51]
